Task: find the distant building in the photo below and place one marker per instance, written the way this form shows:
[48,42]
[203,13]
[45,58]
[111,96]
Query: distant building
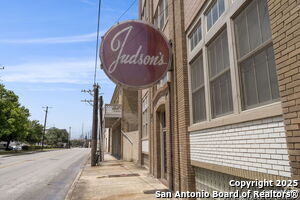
[3,145]
[120,116]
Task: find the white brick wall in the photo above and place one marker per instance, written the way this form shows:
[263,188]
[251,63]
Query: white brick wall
[209,181]
[145,146]
[258,145]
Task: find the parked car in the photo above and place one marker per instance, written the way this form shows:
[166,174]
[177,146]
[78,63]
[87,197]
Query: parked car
[10,148]
[17,147]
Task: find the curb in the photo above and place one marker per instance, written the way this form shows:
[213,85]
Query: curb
[73,186]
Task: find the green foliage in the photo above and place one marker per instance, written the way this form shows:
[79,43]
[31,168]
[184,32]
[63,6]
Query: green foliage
[56,137]
[35,132]
[31,148]
[77,143]
[14,124]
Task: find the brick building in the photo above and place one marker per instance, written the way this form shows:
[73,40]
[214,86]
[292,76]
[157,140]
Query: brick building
[229,107]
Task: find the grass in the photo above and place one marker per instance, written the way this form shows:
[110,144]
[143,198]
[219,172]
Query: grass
[24,151]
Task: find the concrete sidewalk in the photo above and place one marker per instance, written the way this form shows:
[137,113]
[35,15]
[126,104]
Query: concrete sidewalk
[114,180]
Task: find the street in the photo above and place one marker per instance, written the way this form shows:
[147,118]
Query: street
[41,175]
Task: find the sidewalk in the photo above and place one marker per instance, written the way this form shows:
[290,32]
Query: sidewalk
[114,180]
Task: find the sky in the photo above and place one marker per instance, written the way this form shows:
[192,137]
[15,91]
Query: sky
[48,49]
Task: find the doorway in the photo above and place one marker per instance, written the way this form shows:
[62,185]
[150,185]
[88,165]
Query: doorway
[163,145]
[161,134]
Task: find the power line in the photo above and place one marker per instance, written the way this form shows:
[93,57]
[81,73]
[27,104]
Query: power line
[88,91]
[97,44]
[125,11]
[133,37]
[88,101]
[159,14]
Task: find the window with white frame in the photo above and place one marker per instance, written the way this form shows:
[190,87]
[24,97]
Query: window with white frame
[195,37]
[256,61]
[145,116]
[215,11]
[219,76]
[198,90]
[161,15]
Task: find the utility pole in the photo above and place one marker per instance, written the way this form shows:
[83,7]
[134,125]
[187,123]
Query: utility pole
[45,123]
[1,68]
[88,139]
[82,132]
[100,130]
[90,92]
[69,137]
[95,126]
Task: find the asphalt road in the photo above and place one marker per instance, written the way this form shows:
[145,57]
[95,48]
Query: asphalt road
[40,176]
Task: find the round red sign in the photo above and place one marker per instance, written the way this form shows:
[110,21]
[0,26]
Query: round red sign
[135,54]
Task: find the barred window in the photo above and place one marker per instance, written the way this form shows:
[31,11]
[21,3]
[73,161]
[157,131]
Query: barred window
[198,91]
[195,37]
[219,76]
[255,55]
[215,11]
[145,116]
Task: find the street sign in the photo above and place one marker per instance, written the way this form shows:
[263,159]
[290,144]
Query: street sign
[135,54]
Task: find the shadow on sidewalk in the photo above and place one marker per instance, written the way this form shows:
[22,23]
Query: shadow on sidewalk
[114,180]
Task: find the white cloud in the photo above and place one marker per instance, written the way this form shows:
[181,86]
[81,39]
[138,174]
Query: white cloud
[89,2]
[48,88]
[54,40]
[75,71]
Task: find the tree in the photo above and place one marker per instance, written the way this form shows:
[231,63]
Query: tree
[77,142]
[35,132]
[14,122]
[56,137]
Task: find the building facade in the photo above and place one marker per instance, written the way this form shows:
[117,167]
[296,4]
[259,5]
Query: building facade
[163,109]
[229,106]
[121,123]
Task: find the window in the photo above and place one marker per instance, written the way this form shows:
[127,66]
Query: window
[198,91]
[215,11]
[219,76]
[155,19]
[163,81]
[161,15]
[255,55]
[145,116]
[195,37]
[145,12]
